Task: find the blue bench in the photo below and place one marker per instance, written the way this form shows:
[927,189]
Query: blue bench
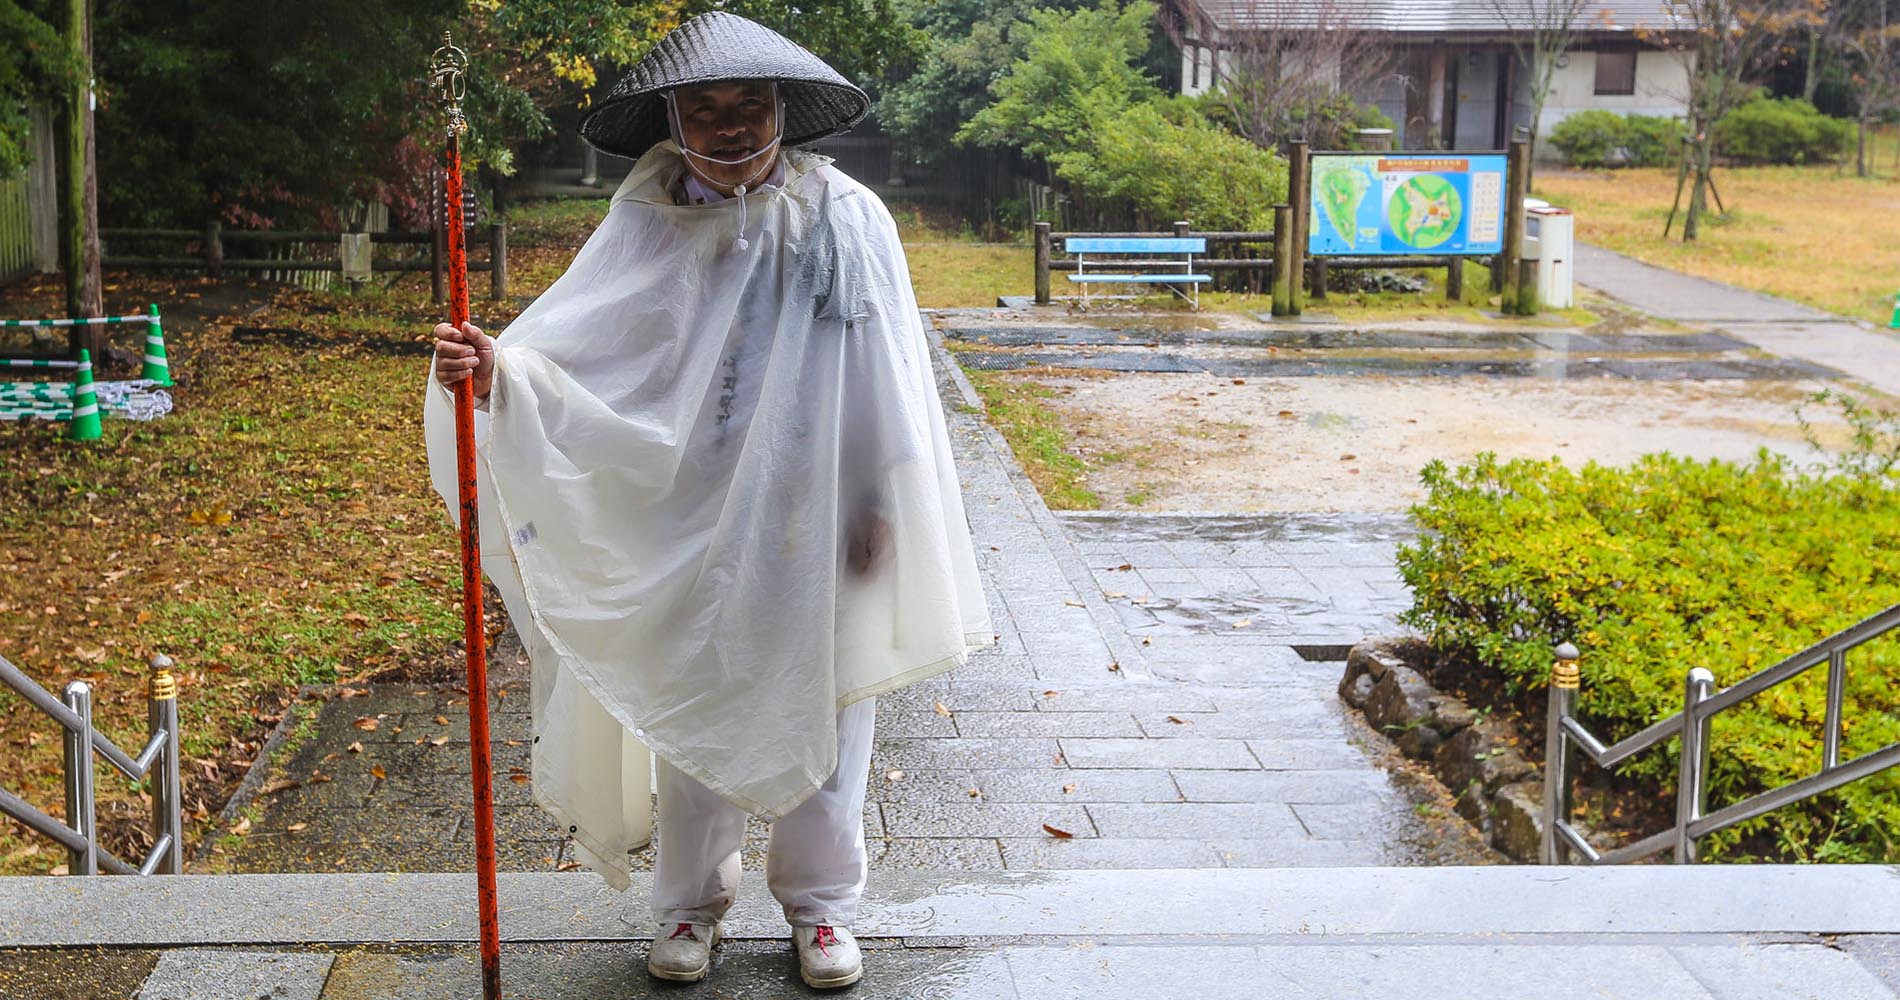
[1151,251]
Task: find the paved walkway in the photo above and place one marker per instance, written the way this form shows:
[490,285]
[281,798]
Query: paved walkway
[1147,697]
[1778,326]
[1664,932]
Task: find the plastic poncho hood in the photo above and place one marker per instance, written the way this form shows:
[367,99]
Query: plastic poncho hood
[680,440]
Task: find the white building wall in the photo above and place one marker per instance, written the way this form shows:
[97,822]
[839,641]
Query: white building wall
[1662,87]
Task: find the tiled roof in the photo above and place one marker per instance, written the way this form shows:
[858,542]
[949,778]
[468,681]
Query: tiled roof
[1431,16]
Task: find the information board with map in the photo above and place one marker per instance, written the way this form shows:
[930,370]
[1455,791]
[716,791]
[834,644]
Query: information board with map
[1407,203]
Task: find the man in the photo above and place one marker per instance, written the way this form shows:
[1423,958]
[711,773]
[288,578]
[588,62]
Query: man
[717,494]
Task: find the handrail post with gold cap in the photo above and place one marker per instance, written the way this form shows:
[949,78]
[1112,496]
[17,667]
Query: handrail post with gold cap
[167,803]
[1565,680]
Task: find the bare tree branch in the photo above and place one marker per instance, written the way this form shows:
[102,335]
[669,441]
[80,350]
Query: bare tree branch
[1280,64]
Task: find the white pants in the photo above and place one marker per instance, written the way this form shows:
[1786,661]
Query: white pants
[815,865]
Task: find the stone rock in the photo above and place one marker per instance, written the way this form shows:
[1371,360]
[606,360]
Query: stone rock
[1419,742]
[1475,806]
[1371,658]
[1477,756]
[1358,692]
[1517,821]
[1405,708]
[1454,714]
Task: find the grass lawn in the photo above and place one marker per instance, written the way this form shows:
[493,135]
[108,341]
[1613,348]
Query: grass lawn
[1817,234]
[277,529]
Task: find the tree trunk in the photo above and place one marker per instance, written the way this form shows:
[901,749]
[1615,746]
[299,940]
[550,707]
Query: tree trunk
[1811,71]
[1698,193]
[1860,150]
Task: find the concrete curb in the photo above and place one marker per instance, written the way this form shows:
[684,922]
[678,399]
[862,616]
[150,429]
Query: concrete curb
[1127,653]
[1311,903]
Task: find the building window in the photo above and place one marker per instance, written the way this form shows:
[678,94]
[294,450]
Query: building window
[1616,73]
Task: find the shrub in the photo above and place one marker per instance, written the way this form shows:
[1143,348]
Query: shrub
[1669,564]
[1169,162]
[1598,138]
[1781,130]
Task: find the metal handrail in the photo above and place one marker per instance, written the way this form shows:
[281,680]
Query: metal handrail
[80,833]
[1700,704]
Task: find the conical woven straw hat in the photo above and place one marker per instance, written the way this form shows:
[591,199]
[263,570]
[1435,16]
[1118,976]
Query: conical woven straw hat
[719,48]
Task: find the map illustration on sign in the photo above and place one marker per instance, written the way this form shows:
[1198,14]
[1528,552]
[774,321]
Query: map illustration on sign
[1399,203]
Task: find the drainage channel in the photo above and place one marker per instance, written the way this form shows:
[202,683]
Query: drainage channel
[1635,369]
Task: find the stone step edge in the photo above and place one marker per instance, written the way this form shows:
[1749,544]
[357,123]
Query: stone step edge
[1321,903]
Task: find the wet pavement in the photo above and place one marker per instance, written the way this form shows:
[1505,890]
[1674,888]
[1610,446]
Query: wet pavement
[1865,353]
[1159,696]
[1728,932]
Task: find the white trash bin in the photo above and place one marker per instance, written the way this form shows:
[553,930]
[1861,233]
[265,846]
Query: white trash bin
[1550,239]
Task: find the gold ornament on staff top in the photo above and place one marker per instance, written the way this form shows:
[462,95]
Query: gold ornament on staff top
[448,71]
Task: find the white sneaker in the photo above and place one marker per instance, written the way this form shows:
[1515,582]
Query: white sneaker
[827,956]
[684,953]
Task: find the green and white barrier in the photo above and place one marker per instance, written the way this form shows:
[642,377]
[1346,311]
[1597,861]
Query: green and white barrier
[156,368]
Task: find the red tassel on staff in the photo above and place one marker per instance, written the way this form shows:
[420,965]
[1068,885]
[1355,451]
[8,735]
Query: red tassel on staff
[449,68]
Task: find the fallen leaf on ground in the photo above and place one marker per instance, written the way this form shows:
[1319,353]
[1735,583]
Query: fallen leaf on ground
[243,826]
[294,827]
[438,741]
[367,723]
[441,720]
[1115,667]
[1177,720]
[975,794]
[1243,623]
[941,710]
[356,748]
[1052,694]
[519,778]
[893,775]
[280,785]
[1074,603]
[378,772]
[1068,789]
[1123,568]
[1058,834]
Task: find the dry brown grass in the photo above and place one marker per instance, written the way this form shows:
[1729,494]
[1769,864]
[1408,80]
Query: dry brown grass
[1818,235]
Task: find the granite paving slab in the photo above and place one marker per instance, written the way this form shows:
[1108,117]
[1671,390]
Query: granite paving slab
[1447,902]
[237,975]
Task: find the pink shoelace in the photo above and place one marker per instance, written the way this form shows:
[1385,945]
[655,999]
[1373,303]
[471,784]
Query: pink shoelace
[822,936]
[686,929]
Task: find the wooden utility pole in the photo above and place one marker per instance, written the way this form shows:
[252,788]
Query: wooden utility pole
[1514,298]
[78,192]
[1299,174]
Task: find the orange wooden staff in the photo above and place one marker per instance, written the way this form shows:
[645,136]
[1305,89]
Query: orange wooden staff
[449,69]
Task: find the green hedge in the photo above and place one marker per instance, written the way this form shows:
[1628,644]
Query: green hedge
[1604,138]
[1781,130]
[1670,564]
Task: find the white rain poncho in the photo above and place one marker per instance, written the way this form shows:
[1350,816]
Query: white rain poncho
[679,436]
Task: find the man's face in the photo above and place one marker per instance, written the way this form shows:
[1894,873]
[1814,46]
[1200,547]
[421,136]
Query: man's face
[729,121]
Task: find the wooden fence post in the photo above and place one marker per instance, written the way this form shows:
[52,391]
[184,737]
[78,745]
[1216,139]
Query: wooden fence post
[1181,229]
[1299,162]
[1042,263]
[214,248]
[1283,260]
[1319,279]
[498,257]
[1454,279]
[1512,296]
